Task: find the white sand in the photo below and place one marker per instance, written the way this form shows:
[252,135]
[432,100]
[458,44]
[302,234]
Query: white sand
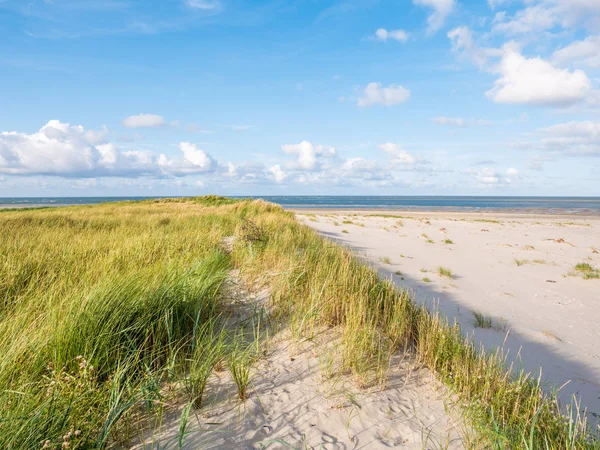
[293,403]
[290,402]
[553,318]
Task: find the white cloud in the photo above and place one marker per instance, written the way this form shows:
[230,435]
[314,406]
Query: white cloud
[450,121]
[585,52]
[496,3]
[308,154]
[441,10]
[534,81]
[586,128]
[353,166]
[204,5]
[529,20]
[61,149]
[463,44]
[194,161]
[397,154]
[375,94]
[460,122]
[196,156]
[545,15]
[575,138]
[486,176]
[278,173]
[144,121]
[512,172]
[397,35]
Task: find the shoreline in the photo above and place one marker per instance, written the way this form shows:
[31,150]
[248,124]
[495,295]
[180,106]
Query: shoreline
[420,212]
[513,213]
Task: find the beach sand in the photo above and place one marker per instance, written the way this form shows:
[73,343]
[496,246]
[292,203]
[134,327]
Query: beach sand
[515,269]
[300,398]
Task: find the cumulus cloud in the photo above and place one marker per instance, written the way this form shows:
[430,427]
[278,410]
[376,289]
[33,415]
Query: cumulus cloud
[375,94]
[278,173]
[194,161]
[586,52]
[144,121]
[308,154]
[397,35]
[61,149]
[535,81]
[512,172]
[441,10]
[397,154]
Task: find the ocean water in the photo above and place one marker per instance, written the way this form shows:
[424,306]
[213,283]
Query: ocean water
[548,205]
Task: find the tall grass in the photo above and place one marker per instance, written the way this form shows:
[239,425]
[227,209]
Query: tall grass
[102,307]
[315,283]
[99,307]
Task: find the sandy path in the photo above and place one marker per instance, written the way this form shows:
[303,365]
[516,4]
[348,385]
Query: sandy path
[299,399]
[553,318]
[291,403]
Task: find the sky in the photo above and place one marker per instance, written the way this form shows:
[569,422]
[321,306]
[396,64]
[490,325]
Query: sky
[299,97]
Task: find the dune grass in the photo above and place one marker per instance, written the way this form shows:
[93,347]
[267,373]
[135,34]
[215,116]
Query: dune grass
[445,272]
[103,307]
[587,271]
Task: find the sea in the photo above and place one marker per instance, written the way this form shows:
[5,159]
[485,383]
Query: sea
[539,205]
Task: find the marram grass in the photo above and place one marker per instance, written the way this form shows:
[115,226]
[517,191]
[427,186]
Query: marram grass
[103,307]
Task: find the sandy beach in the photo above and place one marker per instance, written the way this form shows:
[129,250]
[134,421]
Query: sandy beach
[516,270]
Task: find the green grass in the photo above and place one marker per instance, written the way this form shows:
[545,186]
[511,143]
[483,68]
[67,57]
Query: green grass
[487,221]
[445,272]
[386,260]
[587,271]
[521,262]
[104,307]
[483,321]
[426,280]
[448,241]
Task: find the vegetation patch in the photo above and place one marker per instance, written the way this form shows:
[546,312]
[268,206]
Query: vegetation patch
[587,271]
[110,312]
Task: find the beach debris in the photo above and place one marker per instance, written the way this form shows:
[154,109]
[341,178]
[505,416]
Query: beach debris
[484,230]
[561,241]
[550,281]
[443,230]
[595,250]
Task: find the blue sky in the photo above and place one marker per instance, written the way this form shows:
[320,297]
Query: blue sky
[189,97]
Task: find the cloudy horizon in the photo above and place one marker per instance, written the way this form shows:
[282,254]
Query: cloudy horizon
[351,97]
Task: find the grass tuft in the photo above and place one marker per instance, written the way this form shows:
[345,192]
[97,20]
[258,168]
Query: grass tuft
[445,272]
